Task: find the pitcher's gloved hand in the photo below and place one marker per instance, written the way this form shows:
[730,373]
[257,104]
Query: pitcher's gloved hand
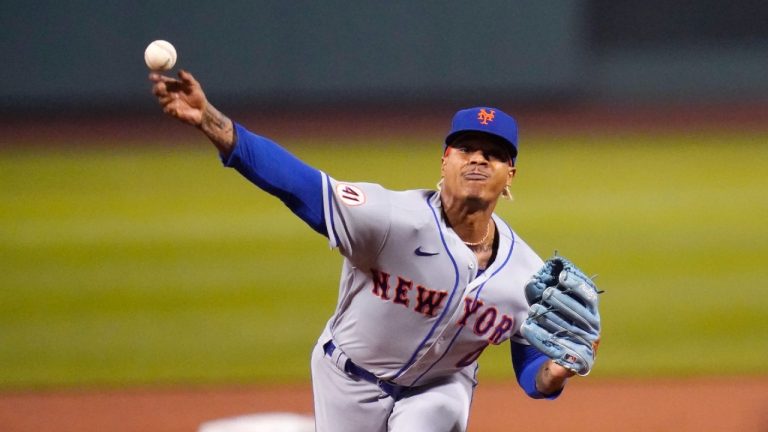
[563,321]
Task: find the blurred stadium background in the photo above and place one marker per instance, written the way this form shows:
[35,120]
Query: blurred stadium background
[129,258]
[268,54]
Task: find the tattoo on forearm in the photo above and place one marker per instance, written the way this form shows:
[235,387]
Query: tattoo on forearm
[218,128]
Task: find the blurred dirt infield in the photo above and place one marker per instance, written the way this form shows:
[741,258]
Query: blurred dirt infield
[700,405]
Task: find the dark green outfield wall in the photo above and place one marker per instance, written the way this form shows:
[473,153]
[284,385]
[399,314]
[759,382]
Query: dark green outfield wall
[89,54]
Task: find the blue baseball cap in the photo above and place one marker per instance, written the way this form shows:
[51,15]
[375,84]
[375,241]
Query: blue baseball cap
[492,121]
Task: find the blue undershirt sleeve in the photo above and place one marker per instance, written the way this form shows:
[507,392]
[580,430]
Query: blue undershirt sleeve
[278,172]
[527,361]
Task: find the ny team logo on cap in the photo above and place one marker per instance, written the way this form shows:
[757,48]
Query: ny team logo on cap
[485,116]
[488,120]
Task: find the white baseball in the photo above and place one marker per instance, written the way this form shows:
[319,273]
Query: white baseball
[160,55]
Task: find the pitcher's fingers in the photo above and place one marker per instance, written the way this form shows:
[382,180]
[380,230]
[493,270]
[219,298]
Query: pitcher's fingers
[158,78]
[187,78]
[170,109]
[166,99]
[160,89]
[184,75]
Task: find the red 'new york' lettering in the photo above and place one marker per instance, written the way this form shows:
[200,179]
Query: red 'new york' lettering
[502,327]
[401,291]
[428,300]
[485,321]
[470,307]
[380,283]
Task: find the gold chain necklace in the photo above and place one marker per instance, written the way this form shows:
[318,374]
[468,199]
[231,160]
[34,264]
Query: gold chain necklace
[485,237]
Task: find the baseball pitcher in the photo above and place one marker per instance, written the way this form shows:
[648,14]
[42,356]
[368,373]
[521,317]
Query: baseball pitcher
[430,278]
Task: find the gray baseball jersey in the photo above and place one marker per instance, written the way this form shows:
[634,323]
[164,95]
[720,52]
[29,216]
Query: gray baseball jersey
[412,307]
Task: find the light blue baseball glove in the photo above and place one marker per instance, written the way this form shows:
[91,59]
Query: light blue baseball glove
[563,321]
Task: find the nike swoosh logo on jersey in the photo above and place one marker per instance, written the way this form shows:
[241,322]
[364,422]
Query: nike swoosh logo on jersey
[420,252]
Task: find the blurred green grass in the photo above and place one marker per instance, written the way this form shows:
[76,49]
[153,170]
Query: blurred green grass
[148,263]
